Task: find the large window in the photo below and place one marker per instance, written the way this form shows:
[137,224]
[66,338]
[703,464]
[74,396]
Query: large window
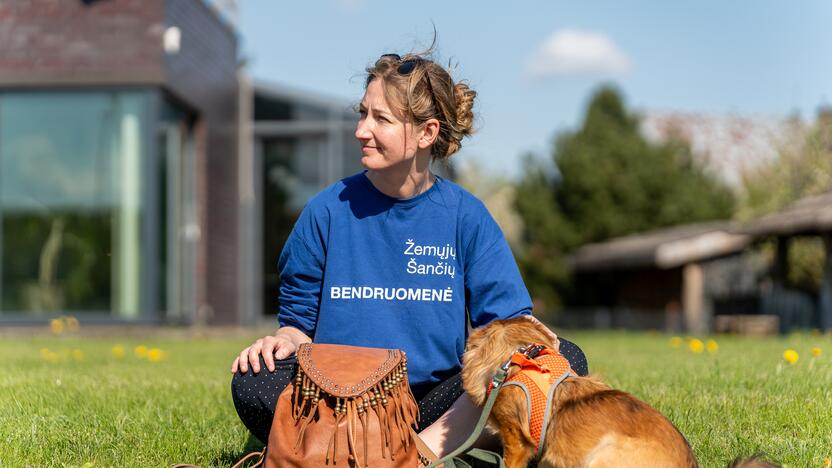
[71,204]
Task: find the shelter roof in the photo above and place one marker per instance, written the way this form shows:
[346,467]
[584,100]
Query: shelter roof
[807,216]
[662,248]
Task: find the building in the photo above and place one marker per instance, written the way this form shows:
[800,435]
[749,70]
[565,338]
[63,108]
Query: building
[689,277]
[143,177]
[674,278]
[301,143]
[810,216]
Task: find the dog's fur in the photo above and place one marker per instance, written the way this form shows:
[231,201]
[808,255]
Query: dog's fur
[591,425]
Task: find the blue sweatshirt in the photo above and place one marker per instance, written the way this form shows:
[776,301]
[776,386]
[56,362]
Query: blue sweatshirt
[365,269]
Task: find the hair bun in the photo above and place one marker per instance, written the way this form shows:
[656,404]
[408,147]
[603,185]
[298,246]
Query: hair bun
[464,125]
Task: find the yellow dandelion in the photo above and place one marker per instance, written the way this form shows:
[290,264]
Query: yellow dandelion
[155,355]
[140,351]
[52,357]
[712,346]
[827,462]
[57,326]
[45,352]
[696,345]
[790,356]
[816,352]
[675,342]
[118,351]
[77,355]
[72,324]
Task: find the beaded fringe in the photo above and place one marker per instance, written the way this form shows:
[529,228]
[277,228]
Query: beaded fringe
[390,400]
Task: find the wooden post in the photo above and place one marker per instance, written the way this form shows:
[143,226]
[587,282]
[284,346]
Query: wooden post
[780,272]
[825,302]
[693,299]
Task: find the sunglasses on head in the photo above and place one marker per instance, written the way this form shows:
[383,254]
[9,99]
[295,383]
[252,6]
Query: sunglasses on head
[405,66]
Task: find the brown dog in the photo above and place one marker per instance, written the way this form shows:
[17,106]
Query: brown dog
[590,425]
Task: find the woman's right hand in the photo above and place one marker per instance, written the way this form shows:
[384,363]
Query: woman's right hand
[279,346]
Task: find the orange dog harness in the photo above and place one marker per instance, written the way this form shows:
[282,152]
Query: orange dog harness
[541,371]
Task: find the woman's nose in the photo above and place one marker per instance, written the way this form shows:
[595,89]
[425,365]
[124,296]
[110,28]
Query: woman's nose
[362,130]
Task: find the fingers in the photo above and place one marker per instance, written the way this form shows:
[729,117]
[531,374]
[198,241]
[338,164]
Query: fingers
[281,351]
[552,335]
[249,355]
[254,358]
[268,352]
[243,360]
[284,349]
[270,347]
[276,347]
[555,342]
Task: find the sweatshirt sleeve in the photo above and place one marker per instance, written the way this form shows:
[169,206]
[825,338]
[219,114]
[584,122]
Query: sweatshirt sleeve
[301,267]
[494,289]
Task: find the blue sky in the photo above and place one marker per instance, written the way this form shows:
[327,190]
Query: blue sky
[535,63]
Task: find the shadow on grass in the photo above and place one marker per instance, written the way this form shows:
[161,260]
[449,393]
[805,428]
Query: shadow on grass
[230,457]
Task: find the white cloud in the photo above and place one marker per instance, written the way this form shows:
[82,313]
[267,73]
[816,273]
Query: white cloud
[571,52]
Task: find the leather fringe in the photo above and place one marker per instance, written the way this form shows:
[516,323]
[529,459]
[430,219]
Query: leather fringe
[390,399]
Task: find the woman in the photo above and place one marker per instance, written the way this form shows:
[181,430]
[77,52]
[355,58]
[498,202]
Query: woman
[393,257]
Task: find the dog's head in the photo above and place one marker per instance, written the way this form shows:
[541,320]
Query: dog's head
[490,346]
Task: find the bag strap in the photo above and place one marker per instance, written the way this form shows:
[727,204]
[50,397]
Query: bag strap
[465,448]
[260,457]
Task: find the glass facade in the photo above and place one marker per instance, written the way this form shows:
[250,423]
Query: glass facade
[294,169]
[177,213]
[73,196]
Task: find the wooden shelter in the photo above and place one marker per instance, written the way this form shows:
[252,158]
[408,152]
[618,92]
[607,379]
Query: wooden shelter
[702,269]
[810,216]
[658,273]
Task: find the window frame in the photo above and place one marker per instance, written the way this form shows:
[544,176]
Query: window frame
[150,311]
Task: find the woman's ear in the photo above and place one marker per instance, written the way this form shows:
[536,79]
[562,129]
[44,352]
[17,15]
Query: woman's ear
[430,131]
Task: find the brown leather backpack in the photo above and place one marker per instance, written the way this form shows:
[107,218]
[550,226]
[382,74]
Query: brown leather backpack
[347,405]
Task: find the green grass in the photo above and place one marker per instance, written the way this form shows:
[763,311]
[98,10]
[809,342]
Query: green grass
[105,411]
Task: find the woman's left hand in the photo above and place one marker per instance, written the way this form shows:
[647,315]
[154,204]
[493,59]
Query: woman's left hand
[552,335]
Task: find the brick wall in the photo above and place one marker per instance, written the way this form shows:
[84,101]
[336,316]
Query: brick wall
[205,72]
[50,43]
[69,42]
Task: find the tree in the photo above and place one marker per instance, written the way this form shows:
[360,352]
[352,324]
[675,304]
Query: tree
[612,182]
[541,254]
[498,194]
[800,170]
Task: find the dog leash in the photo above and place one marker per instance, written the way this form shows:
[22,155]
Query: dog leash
[482,455]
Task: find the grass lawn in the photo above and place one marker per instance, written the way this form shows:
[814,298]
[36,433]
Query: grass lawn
[70,401]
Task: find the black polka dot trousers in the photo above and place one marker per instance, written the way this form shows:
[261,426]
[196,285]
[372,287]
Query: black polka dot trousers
[255,395]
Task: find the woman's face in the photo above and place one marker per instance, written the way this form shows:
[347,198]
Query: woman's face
[386,139]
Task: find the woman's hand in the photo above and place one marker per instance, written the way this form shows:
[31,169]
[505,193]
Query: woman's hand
[552,334]
[281,345]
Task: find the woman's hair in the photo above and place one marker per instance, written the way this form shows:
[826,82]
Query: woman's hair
[419,89]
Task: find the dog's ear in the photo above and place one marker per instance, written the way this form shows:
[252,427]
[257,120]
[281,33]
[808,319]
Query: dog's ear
[476,369]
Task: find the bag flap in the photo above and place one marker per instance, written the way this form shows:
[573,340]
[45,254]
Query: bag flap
[345,371]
